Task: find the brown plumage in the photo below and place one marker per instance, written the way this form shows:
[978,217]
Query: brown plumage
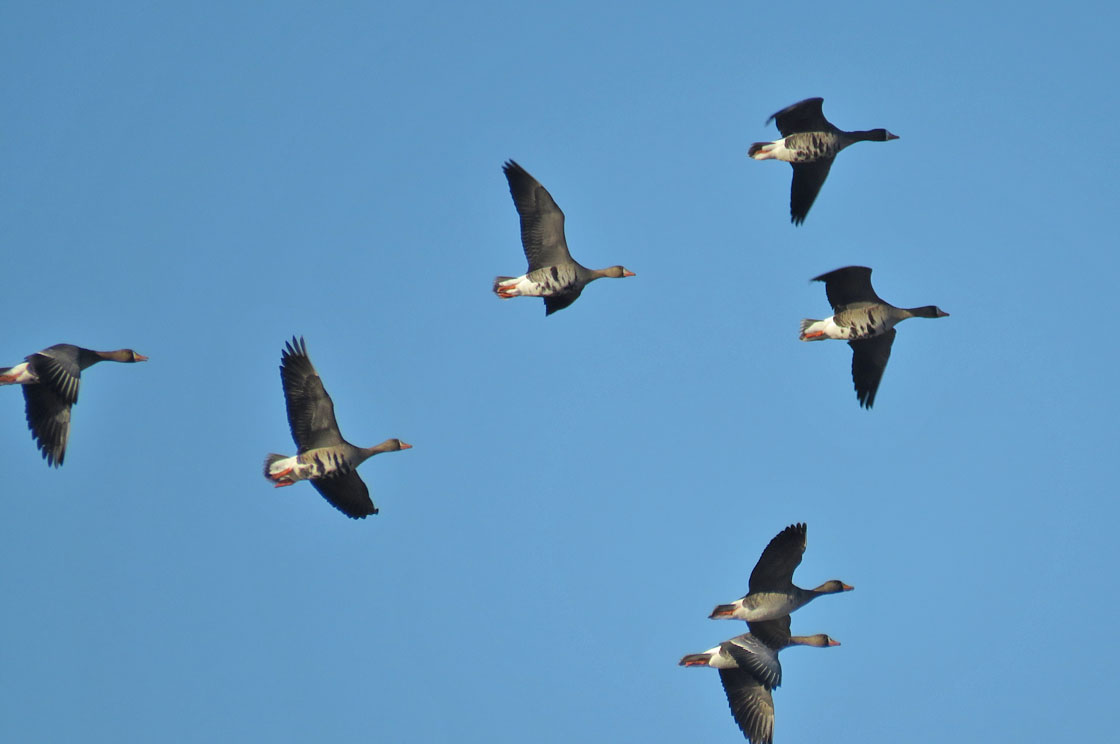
[553,274]
[50,380]
[324,457]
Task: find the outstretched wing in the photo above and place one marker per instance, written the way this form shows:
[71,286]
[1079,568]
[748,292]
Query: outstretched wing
[752,655]
[751,704]
[48,401]
[774,633]
[869,361]
[48,418]
[61,374]
[807,181]
[310,409]
[803,116]
[560,301]
[542,222]
[774,570]
[346,492]
[848,286]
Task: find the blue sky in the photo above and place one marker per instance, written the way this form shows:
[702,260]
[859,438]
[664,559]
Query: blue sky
[201,182]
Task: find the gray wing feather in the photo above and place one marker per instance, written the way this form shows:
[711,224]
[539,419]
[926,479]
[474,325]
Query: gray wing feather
[774,633]
[542,222]
[48,401]
[869,361]
[848,286]
[751,704]
[61,374]
[782,556]
[346,492]
[758,659]
[808,178]
[310,409]
[48,418]
[803,116]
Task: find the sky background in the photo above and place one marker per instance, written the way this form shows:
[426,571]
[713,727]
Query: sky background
[201,181]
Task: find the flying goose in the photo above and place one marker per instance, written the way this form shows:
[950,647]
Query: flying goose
[772,593]
[324,457]
[809,143]
[50,380]
[553,273]
[749,669]
[865,321]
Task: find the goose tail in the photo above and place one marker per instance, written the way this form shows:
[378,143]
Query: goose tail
[760,150]
[806,324]
[269,462]
[509,290]
[724,610]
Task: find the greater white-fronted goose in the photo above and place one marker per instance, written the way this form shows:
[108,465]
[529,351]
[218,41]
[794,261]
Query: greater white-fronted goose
[865,321]
[749,669]
[809,143]
[772,593]
[553,273]
[324,457]
[50,380]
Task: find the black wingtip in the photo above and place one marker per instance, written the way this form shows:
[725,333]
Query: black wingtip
[866,399]
[296,347]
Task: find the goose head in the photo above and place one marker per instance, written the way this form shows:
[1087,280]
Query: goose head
[122,355]
[820,640]
[832,587]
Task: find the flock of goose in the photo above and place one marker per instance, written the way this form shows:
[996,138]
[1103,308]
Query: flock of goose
[748,664]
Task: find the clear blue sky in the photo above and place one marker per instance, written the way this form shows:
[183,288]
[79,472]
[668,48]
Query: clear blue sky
[200,181]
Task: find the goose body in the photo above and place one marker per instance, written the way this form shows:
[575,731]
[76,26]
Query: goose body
[865,321]
[809,143]
[803,147]
[553,274]
[772,593]
[324,457]
[324,461]
[50,380]
[749,670]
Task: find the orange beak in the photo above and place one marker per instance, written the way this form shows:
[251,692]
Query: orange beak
[141,358]
[405,445]
[628,273]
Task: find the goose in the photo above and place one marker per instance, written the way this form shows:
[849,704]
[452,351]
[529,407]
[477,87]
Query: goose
[50,380]
[553,273]
[772,593]
[324,457]
[865,321]
[749,670]
[809,143]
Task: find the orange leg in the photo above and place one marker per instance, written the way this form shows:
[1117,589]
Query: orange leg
[814,334]
[281,474]
[281,484]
